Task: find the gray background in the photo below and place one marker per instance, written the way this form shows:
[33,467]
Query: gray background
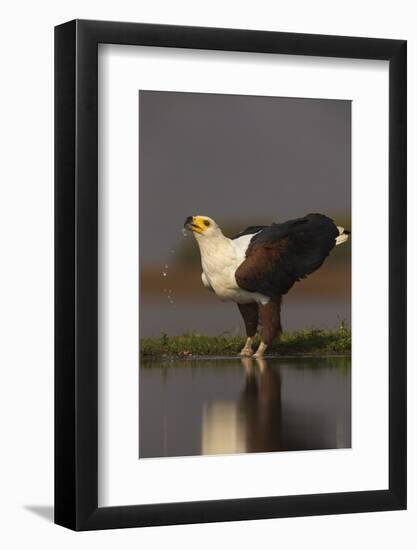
[238,158]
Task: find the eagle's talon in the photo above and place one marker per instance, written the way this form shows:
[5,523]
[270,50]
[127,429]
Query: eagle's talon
[260,351]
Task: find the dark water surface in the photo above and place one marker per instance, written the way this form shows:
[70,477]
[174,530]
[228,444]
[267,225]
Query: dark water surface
[233,405]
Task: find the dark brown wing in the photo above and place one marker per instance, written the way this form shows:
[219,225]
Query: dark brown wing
[282,254]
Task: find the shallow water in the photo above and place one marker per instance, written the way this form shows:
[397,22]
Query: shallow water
[232,405]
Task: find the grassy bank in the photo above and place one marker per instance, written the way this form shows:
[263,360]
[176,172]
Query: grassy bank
[306,342]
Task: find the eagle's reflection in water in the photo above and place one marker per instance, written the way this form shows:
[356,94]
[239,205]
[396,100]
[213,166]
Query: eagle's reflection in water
[253,422]
[229,406]
[260,406]
[258,422]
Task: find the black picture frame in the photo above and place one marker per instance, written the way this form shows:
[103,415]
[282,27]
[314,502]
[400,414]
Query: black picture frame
[76,272]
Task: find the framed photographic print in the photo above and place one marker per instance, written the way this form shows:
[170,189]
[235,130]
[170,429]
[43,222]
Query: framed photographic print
[230,275]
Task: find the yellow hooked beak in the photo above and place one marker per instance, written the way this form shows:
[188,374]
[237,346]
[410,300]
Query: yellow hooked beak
[195,223]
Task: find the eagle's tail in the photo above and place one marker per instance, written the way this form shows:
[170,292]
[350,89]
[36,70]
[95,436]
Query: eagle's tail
[343,235]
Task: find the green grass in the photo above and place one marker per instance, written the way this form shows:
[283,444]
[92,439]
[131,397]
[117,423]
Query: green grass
[305,342]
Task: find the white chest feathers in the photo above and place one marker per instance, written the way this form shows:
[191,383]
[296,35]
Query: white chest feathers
[220,258]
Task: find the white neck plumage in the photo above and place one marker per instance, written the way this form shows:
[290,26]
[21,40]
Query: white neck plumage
[214,246]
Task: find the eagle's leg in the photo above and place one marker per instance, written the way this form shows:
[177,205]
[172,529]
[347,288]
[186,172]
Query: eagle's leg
[250,314]
[270,320]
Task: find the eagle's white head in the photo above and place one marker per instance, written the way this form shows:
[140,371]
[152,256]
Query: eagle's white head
[203,227]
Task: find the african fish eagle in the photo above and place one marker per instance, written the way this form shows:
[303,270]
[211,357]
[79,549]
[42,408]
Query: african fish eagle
[260,264]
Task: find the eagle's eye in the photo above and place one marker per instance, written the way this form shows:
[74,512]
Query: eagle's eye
[206,223]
